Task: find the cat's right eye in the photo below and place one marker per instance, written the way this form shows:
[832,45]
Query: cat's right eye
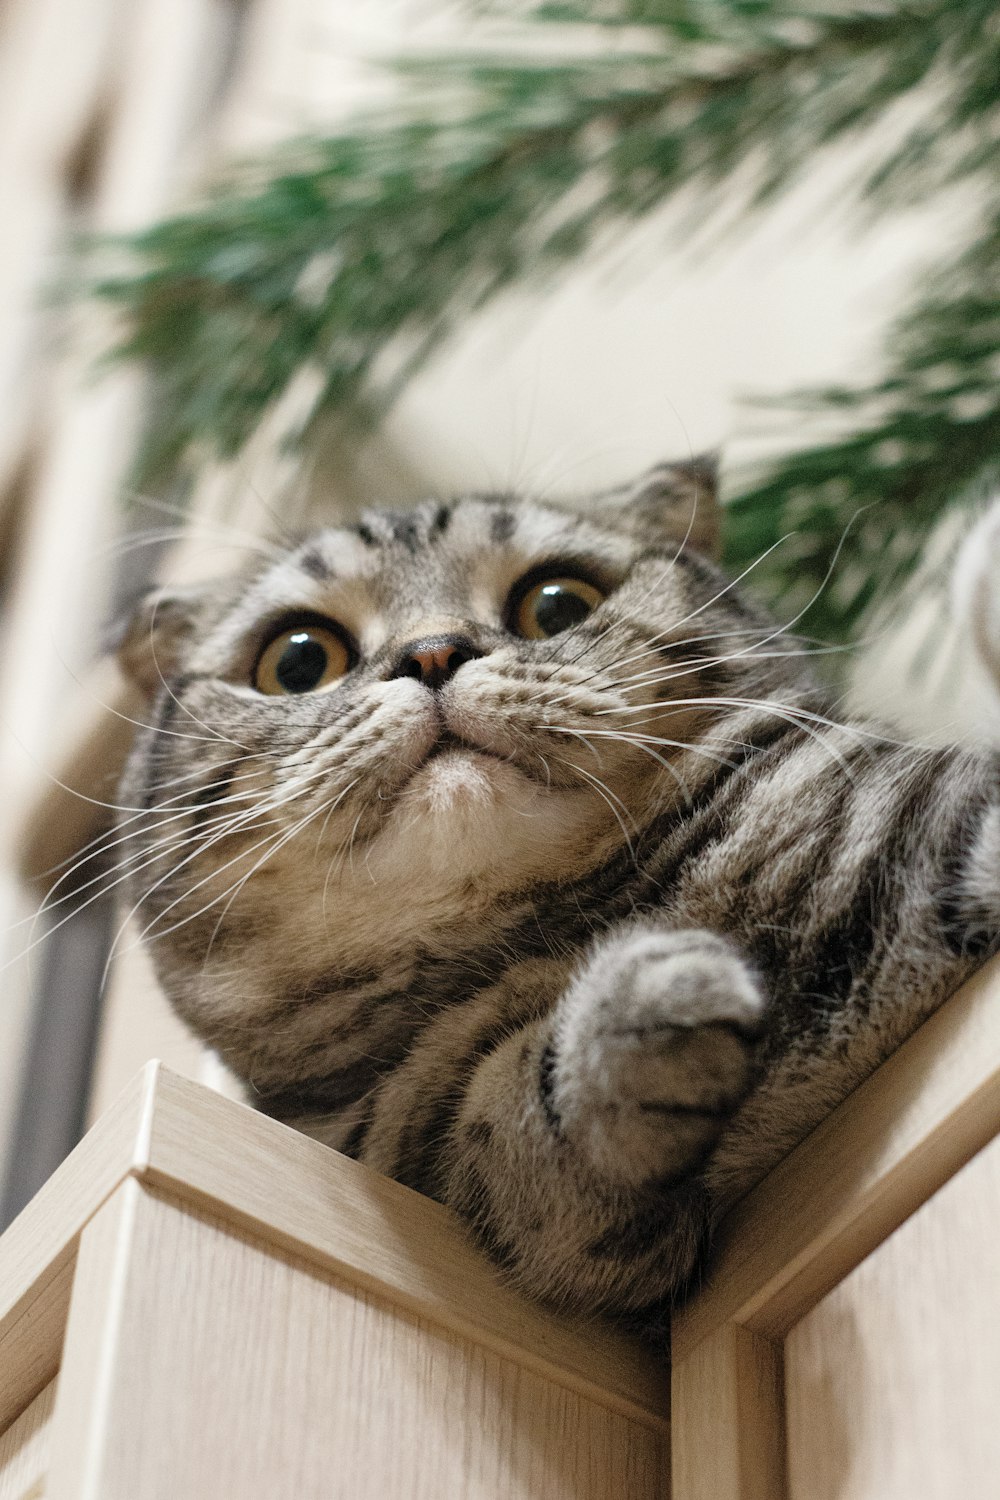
[552,604]
[302,659]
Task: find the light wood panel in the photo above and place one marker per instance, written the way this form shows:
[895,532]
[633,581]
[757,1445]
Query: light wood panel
[728,1419]
[38,1250]
[98,102]
[54,61]
[893,1381]
[25,1449]
[205,1364]
[891,1144]
[310,1201]
[379,1234]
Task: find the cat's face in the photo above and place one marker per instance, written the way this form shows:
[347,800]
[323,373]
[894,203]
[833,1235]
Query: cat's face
[394,727]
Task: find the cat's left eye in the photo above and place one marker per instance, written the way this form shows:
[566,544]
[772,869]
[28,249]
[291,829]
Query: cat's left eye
[552,605]
[302,659]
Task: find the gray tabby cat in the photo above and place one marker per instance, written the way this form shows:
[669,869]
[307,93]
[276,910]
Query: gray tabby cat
[505,847]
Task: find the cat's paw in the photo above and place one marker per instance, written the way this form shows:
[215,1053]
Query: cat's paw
[655,1047]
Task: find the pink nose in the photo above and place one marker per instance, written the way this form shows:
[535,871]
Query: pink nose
[434,660]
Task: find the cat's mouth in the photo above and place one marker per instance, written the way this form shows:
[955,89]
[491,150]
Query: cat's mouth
[448,743]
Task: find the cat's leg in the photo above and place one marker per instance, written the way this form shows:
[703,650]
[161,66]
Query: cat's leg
[577,1147]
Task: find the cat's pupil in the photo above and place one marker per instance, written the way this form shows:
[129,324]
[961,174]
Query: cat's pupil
[558,608]
[302,664]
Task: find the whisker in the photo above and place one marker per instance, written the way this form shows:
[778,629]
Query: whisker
[131,866]
[173,696]
[608,796]
[799,718]
[640,743]
[656,739]
[330,863]
[276,840]
[103,842]
[707,604]
[700,663]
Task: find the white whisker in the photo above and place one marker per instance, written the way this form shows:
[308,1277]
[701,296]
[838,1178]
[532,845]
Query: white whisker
[608,796]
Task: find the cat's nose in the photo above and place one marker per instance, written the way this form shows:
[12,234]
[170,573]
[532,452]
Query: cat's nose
[435,659]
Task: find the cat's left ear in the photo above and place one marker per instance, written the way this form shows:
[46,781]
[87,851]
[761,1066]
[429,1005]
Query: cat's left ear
[674,502]
[151,641]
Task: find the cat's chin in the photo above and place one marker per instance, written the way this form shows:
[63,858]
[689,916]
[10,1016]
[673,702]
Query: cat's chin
[458,778]
[464,814]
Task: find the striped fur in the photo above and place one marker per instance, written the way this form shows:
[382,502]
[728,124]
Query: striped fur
[588,968]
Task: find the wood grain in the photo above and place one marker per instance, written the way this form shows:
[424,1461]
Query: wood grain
[870,1165]
[25,1449]
[206,1364]
[38,1250]
[893,1381]
[307,1200]
[381,1235]
[728,1419]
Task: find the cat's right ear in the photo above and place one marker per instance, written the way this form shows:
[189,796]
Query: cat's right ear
[151,640]
[673,502]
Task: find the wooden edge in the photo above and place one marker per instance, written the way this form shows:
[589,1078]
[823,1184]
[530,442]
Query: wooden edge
[38,1250]
[176,1135]
[728,1438]
[31,1348]
[382,1236]
[883,1152]
[93,1329]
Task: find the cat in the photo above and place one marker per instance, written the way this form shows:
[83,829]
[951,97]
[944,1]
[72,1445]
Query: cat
[508,848]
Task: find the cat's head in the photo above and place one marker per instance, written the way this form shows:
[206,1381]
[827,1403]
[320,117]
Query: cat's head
[394,728]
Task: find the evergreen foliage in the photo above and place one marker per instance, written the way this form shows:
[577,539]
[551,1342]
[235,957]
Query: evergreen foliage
[355,255]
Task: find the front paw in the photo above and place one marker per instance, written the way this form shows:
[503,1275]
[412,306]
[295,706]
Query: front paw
[656,1045]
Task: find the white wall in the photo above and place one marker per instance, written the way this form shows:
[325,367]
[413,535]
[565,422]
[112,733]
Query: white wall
[649,351]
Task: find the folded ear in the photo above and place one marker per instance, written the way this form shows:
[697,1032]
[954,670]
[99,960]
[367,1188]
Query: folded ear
[151,641]
[674,502]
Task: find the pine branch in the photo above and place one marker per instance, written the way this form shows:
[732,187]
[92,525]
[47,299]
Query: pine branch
[364,250]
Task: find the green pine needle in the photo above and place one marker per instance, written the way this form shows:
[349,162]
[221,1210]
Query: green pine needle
[356,255]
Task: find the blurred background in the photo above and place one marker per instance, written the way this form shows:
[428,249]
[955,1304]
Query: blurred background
[117,112]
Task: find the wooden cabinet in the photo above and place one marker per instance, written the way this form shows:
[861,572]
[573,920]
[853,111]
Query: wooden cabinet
[892,1380]
[202,1304]
[846,1345]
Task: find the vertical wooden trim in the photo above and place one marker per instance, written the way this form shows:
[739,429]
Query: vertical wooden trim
[871,1164]
[892,1381]
[88,1372]
[728,1420]
[24,1450]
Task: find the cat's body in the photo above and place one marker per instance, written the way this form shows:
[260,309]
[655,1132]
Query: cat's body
[577,933]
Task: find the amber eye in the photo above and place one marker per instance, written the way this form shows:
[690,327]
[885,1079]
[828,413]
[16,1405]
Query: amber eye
[302,659]
[554,604]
